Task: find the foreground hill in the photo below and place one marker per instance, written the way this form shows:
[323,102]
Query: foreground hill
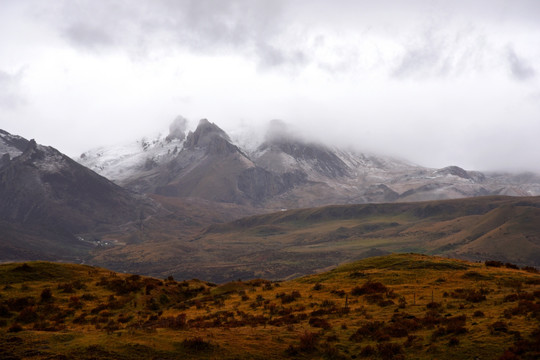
[299,242]
[391,307]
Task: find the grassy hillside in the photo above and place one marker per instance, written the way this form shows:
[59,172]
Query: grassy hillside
[398,306]
[293,243]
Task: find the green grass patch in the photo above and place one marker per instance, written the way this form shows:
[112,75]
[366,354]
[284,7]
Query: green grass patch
[35,271]
[402,262]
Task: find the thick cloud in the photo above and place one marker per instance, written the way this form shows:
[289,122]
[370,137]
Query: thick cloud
[88,36]
[519,67]
[416,38]
[204,26]
[437,82]
[277,130]
[10,90]
[177,129]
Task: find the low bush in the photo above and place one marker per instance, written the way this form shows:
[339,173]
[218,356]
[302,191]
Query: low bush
[478,313]
[289,298]
[319,323]
[308,341]
[27,315]
[15,328]
[390,351]
[498,327]
[369,287]
[368,351]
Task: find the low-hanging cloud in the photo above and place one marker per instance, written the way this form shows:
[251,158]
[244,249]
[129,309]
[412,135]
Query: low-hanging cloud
[177,129]
[11,96]
[88,36]
[519,67]
[443,51]
[425,59]
[388,75]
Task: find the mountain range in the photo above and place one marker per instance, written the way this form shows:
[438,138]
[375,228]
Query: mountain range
[286,171]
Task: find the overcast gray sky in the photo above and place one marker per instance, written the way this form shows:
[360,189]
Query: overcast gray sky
[436,82]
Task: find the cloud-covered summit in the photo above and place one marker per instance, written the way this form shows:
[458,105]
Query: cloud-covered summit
[519,67]
[10,90]
[437,82]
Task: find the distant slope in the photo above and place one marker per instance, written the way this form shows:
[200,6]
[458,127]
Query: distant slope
[403,306]
[297,242]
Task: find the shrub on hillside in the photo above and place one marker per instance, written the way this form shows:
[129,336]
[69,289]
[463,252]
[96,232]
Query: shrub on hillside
[530,269]
[370,330]
[319,323]
[46,296]
[498,327]
[308,341]
[493,263]
[478,313]
[388,351]
[27,315]
[4,311]
[470,295]
[17,304]
[288,298]
[369,287]
[15,328]
[368,351]
[511,266]
[196,344]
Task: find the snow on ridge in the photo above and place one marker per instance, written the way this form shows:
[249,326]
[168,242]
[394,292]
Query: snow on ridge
[247,139]
[5,148]
[53,162]
[118,162]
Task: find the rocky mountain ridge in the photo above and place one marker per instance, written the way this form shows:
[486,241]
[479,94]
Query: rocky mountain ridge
[286,171]
[53,207]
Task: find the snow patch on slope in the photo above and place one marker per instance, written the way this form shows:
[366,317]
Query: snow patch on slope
[6,147]
[119,162]
[52,162]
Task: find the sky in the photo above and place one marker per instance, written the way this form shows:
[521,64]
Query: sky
[438,83]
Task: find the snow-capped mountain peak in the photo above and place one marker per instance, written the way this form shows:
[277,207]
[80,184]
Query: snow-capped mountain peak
[11,145]
[283,170]
[121,161]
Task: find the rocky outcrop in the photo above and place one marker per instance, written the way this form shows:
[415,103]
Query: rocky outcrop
[4,160]
[474,176]
[314,156]
[11,144]
[259,184]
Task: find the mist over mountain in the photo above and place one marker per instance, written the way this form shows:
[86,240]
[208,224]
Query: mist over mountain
[285,170]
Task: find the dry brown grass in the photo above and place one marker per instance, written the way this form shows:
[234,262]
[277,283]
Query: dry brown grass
[410,306]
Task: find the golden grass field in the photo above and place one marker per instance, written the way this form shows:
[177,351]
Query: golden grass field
[403,306]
